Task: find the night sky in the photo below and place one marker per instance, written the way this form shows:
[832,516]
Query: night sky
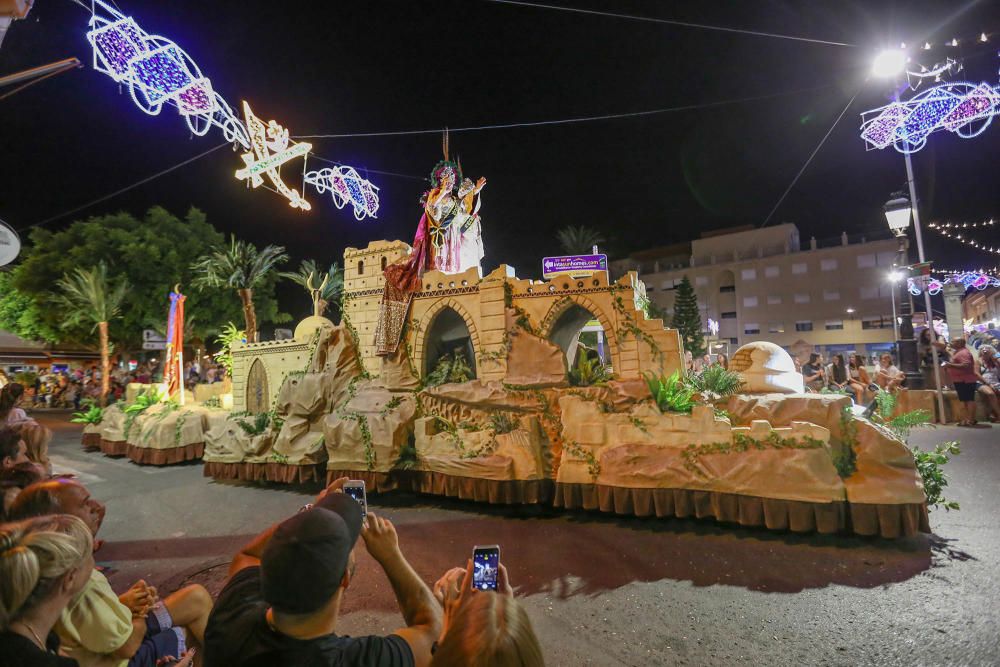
[341,67]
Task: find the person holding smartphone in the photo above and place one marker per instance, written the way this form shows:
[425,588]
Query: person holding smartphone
[282,600]
[483,627]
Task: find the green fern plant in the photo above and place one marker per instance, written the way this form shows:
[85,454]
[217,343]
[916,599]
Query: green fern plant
[901,425]
[230,334]
[716,381]
[502,422]
[92,415]
[146,399]
[589,371]
[260,424]
[450,368]
[671,394]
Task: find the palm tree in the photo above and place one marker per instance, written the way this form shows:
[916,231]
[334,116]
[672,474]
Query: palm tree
[242,267]
[330,285]
[88,296]
[579,240]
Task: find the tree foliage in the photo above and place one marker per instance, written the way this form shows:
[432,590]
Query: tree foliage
[687,318]
[87,296]
[579,239]
[310,277]
[154,253]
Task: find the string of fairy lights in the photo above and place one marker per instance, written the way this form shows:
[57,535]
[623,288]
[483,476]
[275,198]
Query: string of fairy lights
[956,231]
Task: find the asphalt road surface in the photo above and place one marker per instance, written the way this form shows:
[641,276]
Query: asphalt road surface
[605,590]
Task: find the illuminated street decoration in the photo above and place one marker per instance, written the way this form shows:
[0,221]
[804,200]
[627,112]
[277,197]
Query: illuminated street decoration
[156,72]
[965,109]
[956,232]
[967,279]
[346,187]
[268,151]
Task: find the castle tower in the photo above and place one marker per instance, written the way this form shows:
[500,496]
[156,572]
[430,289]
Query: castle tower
[363,283]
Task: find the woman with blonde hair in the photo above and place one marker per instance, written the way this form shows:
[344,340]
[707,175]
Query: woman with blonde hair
[44,563]
[483,628]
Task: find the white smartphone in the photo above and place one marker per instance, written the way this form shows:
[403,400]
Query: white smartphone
[355,488]
[486,567]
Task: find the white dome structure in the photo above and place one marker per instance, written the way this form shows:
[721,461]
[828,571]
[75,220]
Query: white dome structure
[766,368]
[305,329]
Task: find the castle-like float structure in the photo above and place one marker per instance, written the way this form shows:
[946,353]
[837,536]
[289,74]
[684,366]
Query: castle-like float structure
[445,381]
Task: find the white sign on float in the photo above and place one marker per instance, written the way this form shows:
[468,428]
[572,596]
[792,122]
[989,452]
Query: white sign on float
[155,345]
[153,336]
[10,244]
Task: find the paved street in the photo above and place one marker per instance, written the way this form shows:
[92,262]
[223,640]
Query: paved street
[613,591]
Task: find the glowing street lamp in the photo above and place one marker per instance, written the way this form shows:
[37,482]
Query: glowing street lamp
[897,213]
[889,63]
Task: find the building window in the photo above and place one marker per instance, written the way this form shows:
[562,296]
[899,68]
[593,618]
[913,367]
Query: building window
[384,263]
[876,322]
[869,292]
[773,299]
[887,259]
[748,274]
[749,302]
[801,298]
[834,325]
[866,261]
[831,295]
[799,268]
[803,325]
[772,272]
[751,328]
[729,315]
[776,327]
[727,288]
[361,267]
[734,340]
[701,281]
[828,265]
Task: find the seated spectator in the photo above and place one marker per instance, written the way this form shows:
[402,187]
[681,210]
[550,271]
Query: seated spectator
[282,600]
[837,377]
[990,366]
[14,480]
[859,381]
[44,564]
[35,436]
[483,628]
[722,360]
[887,376]
[13,450]
[812,372]
[967,380]
[136,628]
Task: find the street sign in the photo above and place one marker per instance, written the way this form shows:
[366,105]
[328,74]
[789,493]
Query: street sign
[573,264]
[10,244]
[153,336]
[155,345]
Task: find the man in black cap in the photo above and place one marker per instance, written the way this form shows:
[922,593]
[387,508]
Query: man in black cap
[281,602]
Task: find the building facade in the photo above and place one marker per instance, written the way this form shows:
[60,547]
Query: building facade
[765,284]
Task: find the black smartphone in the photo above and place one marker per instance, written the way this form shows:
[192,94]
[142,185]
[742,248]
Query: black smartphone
[355,488]
[486,567]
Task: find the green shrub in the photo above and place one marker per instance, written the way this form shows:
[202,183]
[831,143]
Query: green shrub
[93,415]
[450,368]
[929,466]
[716,381]
[502,422]
[589,372]
[671,394]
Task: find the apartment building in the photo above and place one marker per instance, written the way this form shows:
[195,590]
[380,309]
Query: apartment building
[765,284]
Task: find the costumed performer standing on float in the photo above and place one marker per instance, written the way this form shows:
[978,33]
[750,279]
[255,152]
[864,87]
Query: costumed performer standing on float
[449,238]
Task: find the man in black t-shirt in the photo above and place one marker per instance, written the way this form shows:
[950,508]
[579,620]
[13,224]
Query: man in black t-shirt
[281,602]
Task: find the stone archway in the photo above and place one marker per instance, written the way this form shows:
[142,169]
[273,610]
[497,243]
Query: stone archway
[566,319]
[257,396]
[436,335]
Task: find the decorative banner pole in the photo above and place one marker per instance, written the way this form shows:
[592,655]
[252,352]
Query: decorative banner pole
[174,362]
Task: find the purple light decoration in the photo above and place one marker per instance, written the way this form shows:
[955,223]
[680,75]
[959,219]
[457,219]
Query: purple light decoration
[158,72]
[963,108]
[882,130]
[966,279]
[347,187]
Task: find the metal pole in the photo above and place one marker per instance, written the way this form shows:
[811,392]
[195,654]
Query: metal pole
[927,297]
[895,320]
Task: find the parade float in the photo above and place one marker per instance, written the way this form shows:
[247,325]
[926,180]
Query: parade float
[560,391]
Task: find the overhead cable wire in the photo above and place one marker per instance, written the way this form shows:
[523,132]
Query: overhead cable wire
[682,24]
[565,121]
[811,156]
[123,190]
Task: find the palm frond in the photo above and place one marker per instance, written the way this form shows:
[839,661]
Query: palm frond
[579,240]
[240,265]
[87,295]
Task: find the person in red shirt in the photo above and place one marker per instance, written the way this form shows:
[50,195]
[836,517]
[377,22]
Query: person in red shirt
[966,378]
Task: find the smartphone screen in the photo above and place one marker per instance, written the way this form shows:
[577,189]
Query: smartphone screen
[486,567]
[355,488]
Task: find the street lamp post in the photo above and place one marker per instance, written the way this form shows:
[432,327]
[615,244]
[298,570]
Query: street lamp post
[897,214]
